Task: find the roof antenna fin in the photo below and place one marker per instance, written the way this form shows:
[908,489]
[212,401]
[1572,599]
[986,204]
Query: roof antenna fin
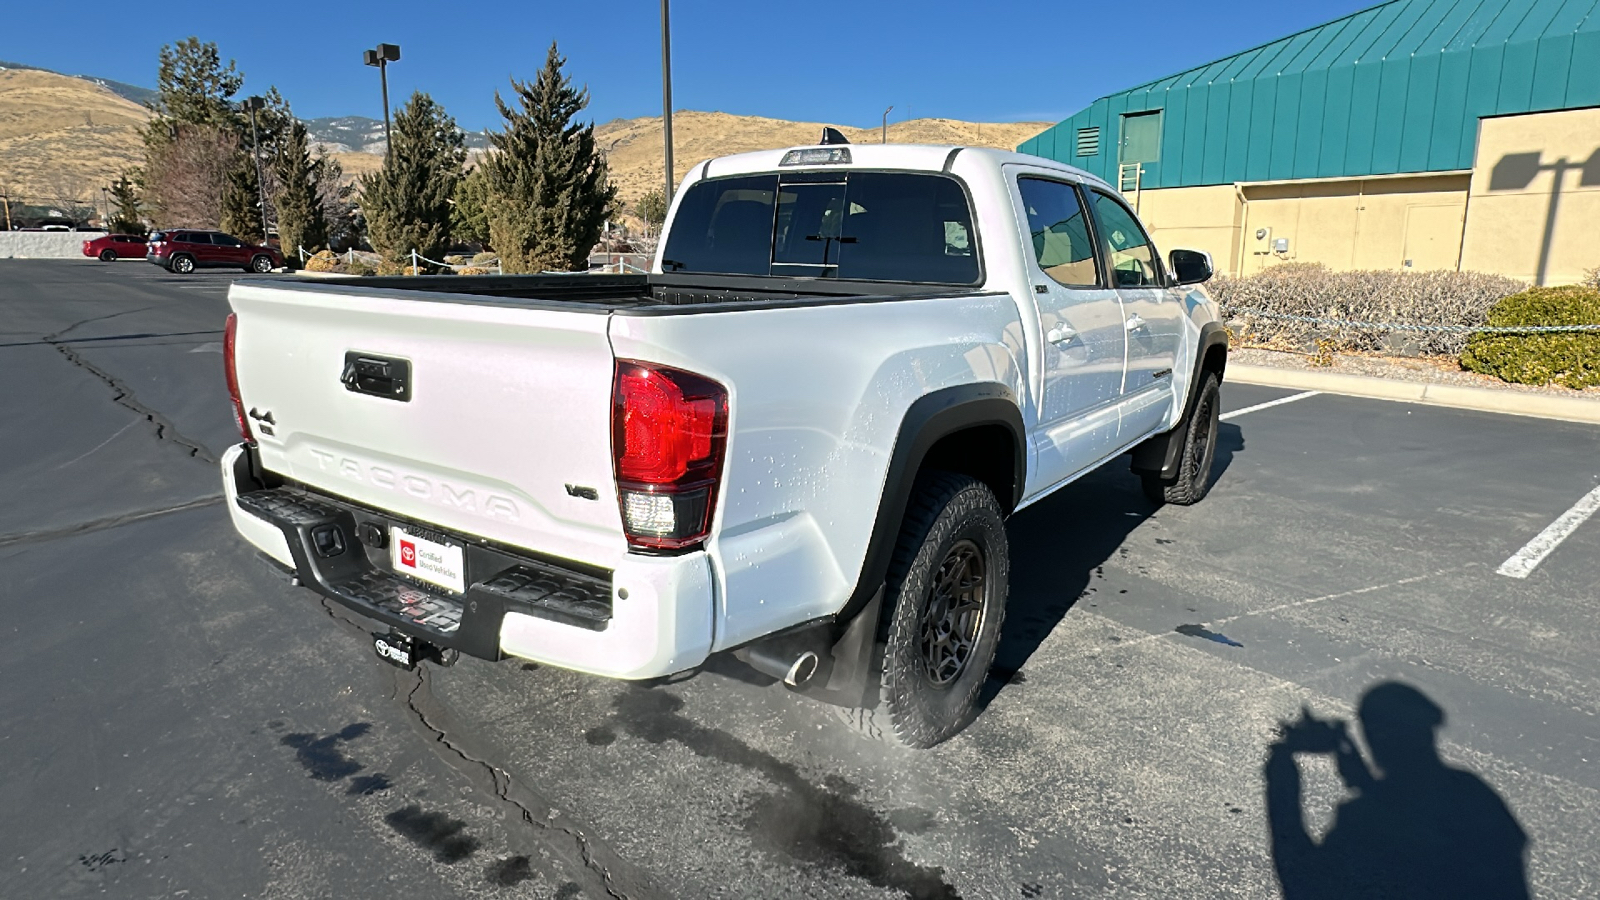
[832,136]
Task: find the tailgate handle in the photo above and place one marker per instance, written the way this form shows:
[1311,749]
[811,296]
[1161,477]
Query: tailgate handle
[379,376]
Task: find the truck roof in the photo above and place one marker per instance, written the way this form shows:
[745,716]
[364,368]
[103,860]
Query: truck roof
[916,157]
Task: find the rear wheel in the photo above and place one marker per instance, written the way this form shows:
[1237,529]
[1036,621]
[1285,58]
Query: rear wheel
[944,603]
[1193,480]
[107,255]
[261,263]
[183,264]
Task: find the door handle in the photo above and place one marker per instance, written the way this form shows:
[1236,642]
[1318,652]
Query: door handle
[1060,334]
[1135,322]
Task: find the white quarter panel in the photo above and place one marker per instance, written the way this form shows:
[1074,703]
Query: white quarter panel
[817,394]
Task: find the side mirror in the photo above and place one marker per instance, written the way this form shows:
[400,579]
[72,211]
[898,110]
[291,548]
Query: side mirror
[1190,266]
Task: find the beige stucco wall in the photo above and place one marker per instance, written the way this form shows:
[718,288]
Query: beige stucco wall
[1194,218]
[1516,218]
[1370,223]
[1409,222]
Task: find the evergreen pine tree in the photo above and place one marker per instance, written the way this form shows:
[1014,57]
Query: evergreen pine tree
[470,214]
[241,201]
[407,202]
[299,194]
[549,194]
[126,219]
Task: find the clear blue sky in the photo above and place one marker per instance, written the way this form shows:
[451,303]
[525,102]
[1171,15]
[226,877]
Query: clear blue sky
[981,60]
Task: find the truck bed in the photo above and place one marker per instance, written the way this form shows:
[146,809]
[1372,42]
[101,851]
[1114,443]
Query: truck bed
[654,294]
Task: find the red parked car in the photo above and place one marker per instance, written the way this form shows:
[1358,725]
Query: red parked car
[115,246]
[182,251]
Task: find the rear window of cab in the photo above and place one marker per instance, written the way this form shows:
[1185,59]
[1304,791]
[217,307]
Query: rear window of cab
[871,226]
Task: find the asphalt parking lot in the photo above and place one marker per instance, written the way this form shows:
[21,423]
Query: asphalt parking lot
[176,721]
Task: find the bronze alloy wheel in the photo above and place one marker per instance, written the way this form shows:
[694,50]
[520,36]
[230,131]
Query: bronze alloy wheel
[952,617]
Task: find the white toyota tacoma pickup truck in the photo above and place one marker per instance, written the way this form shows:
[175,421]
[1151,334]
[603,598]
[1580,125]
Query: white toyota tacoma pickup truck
[797,439]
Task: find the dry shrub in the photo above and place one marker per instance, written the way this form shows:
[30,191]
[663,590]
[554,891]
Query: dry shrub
[455,260]
[485,260]
[474,270]
[323,261]
[1399,297]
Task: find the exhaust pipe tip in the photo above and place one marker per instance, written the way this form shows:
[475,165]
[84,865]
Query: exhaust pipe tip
[801,670]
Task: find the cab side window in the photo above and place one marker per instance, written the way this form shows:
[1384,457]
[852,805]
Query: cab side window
[1059,232]
[1132,259]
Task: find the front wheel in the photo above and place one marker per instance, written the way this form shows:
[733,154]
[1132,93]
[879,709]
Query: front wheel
[183,265]
[261,264]
[944,604]
[108,255]
[1193,480]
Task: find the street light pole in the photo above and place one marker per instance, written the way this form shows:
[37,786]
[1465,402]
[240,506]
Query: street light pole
[380,57]
[666,93]
[253,104]
[886,125]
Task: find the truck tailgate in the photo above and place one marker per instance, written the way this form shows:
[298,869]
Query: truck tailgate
[500,427]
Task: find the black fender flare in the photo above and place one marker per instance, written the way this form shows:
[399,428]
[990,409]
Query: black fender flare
[1160,454]
[932,417]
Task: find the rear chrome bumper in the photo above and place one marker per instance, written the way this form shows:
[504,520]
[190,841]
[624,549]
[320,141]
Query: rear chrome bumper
[647,617]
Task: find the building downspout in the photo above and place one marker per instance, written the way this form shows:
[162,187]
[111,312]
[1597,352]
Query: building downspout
[1243,226]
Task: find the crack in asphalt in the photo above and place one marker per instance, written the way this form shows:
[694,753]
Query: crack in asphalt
[589,849]
[124,397]
[617,877]
[28,537]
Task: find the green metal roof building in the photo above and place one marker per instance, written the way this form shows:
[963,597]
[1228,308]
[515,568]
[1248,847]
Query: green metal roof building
[1396,88]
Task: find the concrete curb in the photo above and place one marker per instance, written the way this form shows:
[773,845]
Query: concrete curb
[1515,403]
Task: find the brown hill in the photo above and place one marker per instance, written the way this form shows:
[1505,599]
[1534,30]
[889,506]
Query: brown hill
[63,137]
[634,145]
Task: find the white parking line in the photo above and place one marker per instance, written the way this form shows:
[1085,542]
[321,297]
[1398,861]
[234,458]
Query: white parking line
[1278,402]
[1522,563]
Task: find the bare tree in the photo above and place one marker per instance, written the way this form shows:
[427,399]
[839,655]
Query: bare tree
[186,176]
[66,192]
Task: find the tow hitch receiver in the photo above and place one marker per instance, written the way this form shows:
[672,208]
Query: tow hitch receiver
[397,649]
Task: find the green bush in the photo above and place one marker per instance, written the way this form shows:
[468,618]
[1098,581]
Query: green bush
[1567,358]
[485,259]
[1313,290]
[360,268]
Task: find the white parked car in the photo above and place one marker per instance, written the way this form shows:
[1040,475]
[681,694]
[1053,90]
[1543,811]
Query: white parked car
[797,439]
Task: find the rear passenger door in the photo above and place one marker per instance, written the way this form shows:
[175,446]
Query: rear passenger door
[198,244]
[230,250]
[1153,318]
[1080,341]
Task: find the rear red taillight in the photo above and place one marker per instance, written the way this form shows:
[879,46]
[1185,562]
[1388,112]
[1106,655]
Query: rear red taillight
[669,430]
[233,376]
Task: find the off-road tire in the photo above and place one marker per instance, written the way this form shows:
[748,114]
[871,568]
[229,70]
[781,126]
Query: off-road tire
[261,264]
[182,264]
[1193,480]
[108,255]
[949,517]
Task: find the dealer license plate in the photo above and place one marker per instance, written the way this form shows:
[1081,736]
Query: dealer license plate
[436,562]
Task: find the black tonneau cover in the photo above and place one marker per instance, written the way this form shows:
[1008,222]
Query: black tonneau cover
[625,294]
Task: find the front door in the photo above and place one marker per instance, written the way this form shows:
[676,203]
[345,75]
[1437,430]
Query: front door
[1153,317]
[1080,342]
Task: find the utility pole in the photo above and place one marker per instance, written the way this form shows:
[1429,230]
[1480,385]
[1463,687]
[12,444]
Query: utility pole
[105,203]
[886,125]
[380,57]
[253,104]
[666,93]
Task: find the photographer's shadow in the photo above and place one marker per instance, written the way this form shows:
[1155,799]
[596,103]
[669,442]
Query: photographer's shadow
[1415,828]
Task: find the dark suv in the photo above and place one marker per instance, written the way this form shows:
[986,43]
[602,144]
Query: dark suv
[182,251]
